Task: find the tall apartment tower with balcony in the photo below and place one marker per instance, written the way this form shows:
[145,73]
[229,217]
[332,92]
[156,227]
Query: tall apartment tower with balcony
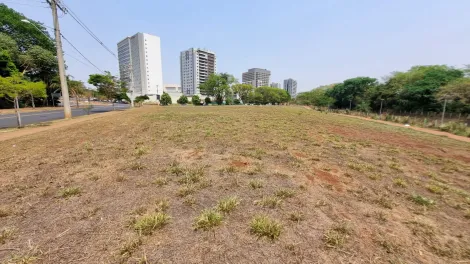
[256,77]
[290,85]
[140,65]
[196,66]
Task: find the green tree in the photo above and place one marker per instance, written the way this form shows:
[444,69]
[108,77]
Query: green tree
[77,89]
[317,97]
[15,87]
[195,100]
[106,84]
[182,100]
[25,34]
[166,99]
[242,90]
[458,90]
[217,85]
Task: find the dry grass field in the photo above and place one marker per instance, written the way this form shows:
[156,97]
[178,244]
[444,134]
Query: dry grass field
[234,184]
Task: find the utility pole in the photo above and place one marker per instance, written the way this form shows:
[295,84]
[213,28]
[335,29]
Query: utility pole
[60,57]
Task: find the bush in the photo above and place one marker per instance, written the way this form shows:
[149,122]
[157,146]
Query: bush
[196,100]
[237,101]
[165,99]
[207,100]
[182,100]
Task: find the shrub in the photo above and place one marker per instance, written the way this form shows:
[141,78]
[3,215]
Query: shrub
[182,100]
[148,223]
[207,100]
[195,100]
[262,226]
[165,99]
[237,101]
[208,219]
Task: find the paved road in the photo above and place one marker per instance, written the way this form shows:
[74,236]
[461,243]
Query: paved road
[9,120]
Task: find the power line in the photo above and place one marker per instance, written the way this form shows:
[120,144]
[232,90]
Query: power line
[88,30]
[80,53]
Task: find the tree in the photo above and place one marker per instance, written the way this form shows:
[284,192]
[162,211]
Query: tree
[25,34]
[217,85]
[317,97]
[195,100]
[458,89]
[15,87]
[76,88]
[106,85]
[182,100]
[140,99]
[242,90]
[207,100]
[37,61]
[35,90]
[166,99]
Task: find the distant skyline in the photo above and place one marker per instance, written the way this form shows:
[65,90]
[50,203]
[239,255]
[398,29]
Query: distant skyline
[319,43]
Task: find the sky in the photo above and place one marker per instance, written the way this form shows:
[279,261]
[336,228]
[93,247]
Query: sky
[314,42]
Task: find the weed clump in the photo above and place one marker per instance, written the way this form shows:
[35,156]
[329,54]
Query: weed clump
[421,200]
[229,204]
[336,236]
[208,219]
[256,184]
[149,223]
[284,193]
[69,192]
[270,202]
[263,226]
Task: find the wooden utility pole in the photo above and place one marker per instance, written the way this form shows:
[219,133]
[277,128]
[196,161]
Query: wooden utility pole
[60,57]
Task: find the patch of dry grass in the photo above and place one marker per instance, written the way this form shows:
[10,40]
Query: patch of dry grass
[253,169]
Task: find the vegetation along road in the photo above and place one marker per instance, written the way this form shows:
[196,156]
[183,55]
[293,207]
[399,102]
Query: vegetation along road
[234,184]
[9,120]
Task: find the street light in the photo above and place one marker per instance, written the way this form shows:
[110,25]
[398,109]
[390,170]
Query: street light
[60,61]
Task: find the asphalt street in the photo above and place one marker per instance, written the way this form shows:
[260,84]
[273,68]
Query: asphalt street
[9,120]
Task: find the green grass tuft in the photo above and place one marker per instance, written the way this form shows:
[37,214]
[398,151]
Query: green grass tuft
[262,226]
[69,192]
[146,224]
[284,193]
[421,200]
[208,219]
[228,204]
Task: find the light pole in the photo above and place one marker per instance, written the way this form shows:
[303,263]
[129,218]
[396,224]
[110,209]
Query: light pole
[381,101]
[60,60]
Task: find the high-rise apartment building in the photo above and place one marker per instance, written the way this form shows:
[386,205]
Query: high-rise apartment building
[290,85]
[196,66]
[275,85]
[256,77]
[140,65]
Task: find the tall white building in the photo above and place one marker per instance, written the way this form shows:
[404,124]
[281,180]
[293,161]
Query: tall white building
[196,66]
[256,77]
[290,85]
[275,85]
[140,65]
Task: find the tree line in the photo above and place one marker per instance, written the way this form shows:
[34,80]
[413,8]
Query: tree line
[225,89]
[420,89]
